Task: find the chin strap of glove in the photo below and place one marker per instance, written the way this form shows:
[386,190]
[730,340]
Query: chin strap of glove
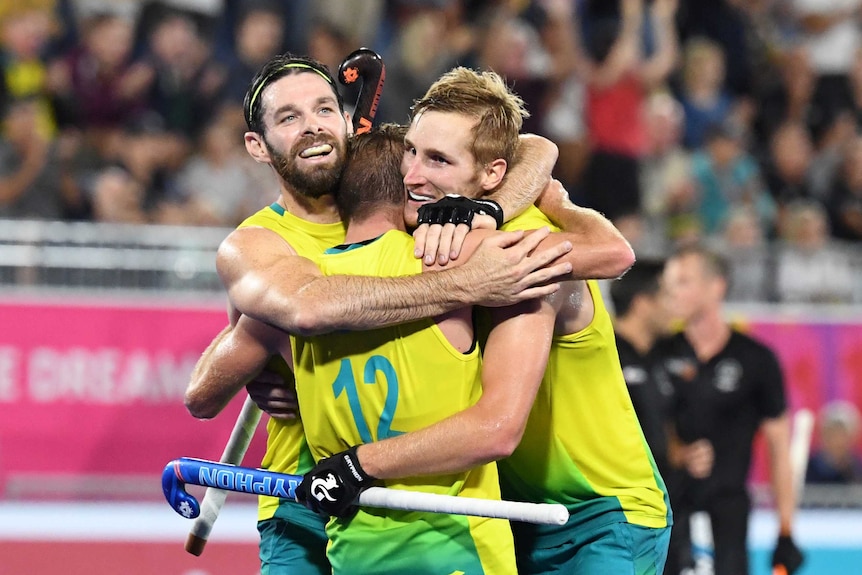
[454,209]
[334,484]
[787,556]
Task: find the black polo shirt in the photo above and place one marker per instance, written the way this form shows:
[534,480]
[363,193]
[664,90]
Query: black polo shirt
[723,400]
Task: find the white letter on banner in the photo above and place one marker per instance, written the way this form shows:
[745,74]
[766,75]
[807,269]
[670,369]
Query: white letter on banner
[42,382]
[9,358]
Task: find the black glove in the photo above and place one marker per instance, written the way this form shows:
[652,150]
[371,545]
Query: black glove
[787,554]
[454,209]
[334,484]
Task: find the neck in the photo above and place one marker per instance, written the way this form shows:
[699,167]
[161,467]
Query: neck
[320,210]
[376,224]
[636,331]
[707,333]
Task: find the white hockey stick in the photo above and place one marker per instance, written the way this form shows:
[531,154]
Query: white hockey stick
[214,498]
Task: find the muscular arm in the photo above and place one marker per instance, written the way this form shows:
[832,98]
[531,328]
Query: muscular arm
[528,175]
[491,428]
[233,358]
[268,281]
[601,250]
[777,433]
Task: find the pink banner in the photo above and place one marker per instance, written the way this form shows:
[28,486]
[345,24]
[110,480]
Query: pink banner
[97,390]
[821,362]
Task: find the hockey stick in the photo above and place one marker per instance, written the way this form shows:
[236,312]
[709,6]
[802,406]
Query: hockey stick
[214,498]
[185,470]
[365,65]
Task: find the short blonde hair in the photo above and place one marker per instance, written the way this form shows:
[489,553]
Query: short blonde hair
[498,111]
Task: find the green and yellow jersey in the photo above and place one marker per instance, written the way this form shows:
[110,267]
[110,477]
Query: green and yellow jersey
[583,446]
[359,387]
[286,447]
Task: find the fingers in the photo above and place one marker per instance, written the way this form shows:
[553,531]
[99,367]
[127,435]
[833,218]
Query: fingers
[419,240]
[439,243]
[458,241]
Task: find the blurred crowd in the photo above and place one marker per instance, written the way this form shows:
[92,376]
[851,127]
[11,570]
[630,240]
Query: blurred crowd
[736,122]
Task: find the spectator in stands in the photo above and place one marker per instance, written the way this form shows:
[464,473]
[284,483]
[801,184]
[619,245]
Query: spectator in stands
[25,29]
[810,267]
[727,176]
[100,87]
[844,199]
[30,177]
[831,38]
[188,81]
[750,267]
[837,459]
[618,78]
[258,35]
[705,100]
[219,185]
[667,183]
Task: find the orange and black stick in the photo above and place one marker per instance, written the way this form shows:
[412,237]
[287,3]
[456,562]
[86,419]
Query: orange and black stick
[365,65]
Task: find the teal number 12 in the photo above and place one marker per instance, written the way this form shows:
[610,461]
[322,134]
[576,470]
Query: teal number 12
[345,382]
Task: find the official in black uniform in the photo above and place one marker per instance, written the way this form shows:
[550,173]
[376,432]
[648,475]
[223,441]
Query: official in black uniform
[726,387]
[639,319]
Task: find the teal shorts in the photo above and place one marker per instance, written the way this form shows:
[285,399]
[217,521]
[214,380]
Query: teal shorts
[291,548]
[619,548]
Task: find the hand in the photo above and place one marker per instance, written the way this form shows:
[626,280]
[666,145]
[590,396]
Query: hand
[444,242]
[507,268]
[455,209]
[334,485]
[787,557]
[698,458]
[273,394]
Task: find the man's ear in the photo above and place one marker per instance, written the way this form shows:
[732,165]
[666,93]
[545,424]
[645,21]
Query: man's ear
[256,147]
[493,173]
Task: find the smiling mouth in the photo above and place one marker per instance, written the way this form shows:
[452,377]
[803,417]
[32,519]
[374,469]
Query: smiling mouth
[413,196]
[316,151]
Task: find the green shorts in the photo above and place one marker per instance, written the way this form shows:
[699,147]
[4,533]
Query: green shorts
[292,547]
[612,548]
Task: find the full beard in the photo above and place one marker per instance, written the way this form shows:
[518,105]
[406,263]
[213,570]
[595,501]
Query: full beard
[314,182]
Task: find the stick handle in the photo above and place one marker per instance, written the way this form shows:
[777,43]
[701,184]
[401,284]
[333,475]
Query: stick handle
[542,513]
[185,470]
[800,445]
[214,498]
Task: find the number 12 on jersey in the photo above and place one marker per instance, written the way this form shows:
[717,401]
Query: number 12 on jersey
[345,383]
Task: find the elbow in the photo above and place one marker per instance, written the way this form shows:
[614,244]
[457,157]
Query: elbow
[624,258]
[503,439]
[198,407]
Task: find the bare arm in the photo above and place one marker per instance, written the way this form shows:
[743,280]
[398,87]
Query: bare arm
[777,433]
[492,427]
[662,62]
[602,251]
[527,176]
[625,53]
[233,358]
[266,280]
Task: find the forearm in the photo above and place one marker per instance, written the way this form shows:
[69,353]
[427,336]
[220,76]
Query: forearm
[340,302]
[601,251]
[664,59]
[529,175]
[463,441]
[227,364]
[492,428]
[781,473]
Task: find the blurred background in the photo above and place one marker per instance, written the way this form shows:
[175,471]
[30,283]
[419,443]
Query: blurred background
[122,167]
